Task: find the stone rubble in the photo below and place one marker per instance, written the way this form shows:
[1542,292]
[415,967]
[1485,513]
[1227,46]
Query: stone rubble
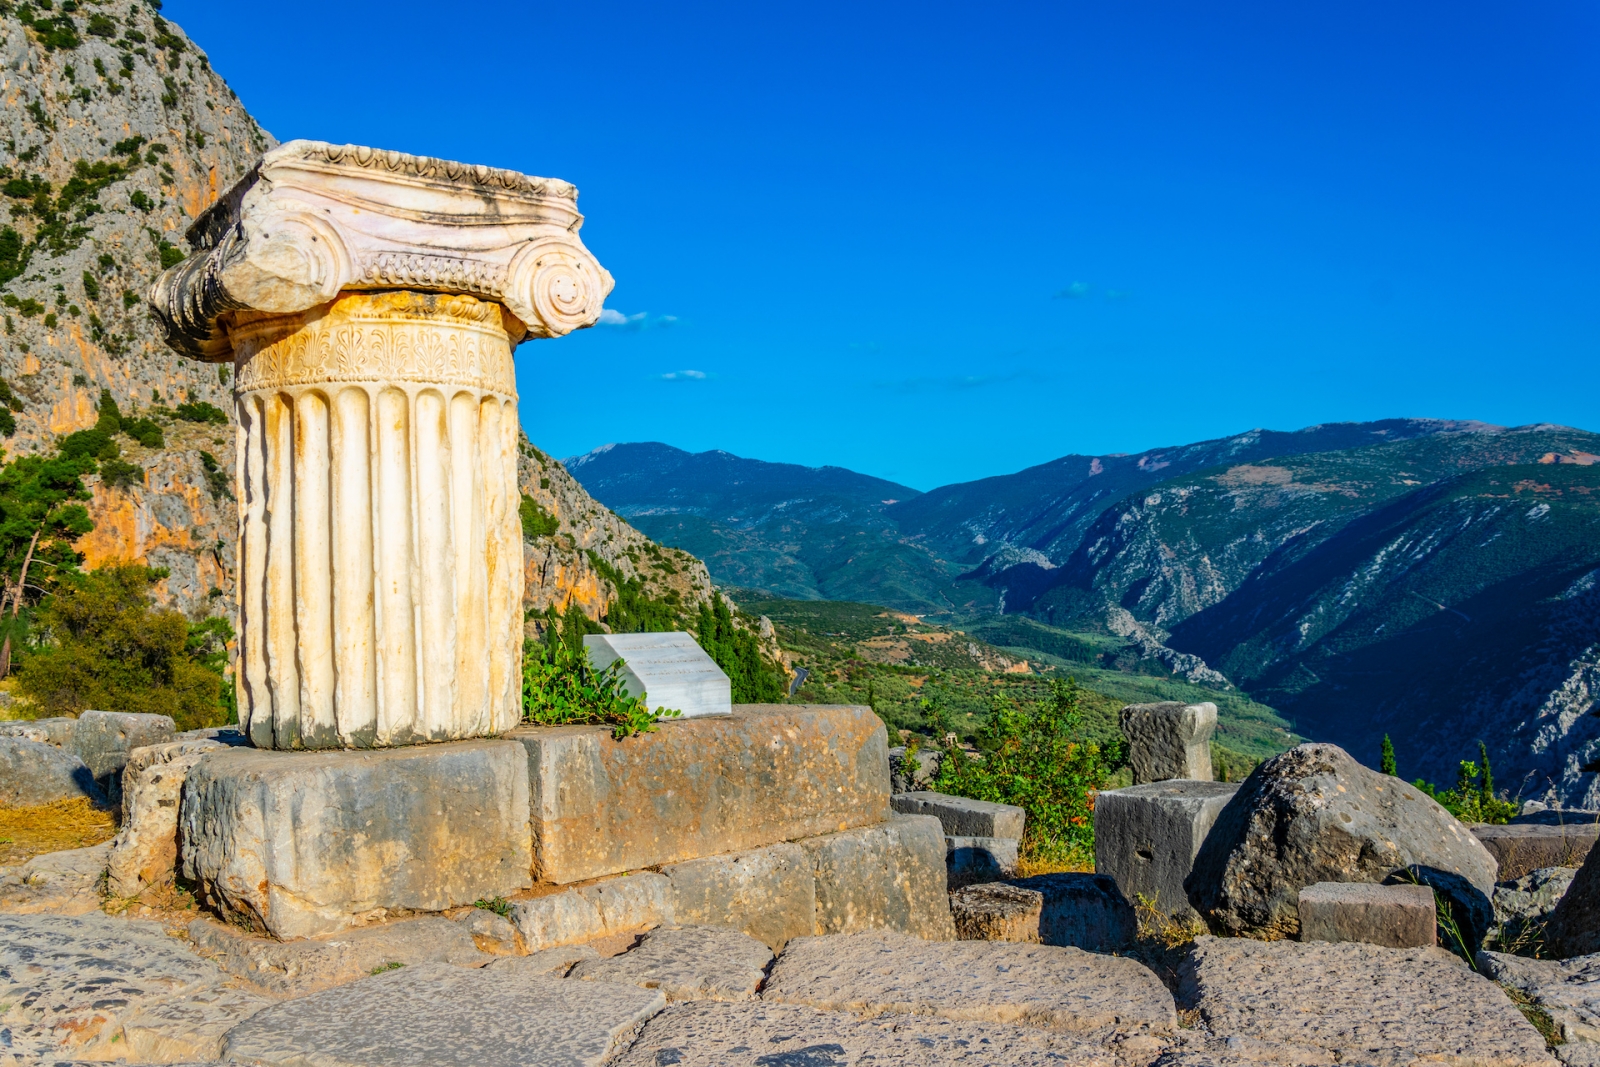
[1574,925]
[688,963]
[1084,911]
[1524,905]
[104,740]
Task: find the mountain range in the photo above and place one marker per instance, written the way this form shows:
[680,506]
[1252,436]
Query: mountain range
[1433,580]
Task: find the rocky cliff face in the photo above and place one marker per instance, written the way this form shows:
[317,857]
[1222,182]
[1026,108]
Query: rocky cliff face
[116,135]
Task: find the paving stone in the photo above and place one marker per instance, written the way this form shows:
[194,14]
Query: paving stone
[759,1034]
[103,739]
[890,876]
[92,987]
[553,962]
[492,933]
[34,773]
[985,981]
[1084,911]
[769,893]
[688,963]
[1396,916]
[435,1015]
[1147,836]
[971,860]
[1520,848]
[145,851]
[1353,1003]
[296,968]
[1169,740]
[62,883]
[962,817]
[1569,990]
[630,904]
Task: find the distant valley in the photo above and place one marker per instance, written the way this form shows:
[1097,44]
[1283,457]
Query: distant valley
[1429,579]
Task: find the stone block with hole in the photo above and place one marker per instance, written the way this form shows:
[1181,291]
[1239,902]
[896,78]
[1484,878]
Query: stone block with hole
[1146,837]
[962,816]
[1394,916]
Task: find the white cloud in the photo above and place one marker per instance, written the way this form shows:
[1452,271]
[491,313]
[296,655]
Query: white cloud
[685,376]
[639,320]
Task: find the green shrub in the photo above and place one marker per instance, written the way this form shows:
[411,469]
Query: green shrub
[560,687]
[536,521]
[201,411]
[121,473]
[1473,799]
[737,651]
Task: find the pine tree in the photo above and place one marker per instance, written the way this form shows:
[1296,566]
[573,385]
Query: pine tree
[1386,761]
[1486,789]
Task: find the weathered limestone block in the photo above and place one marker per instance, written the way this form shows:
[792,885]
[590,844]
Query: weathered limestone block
[630,904]
[1319,1003]
[983,981]
[1147,836]
[1574,926]
[971,860]
[61,883]
[963,817]
[306,843]
[666,670]
[1523,847]
[103,739]
[769,893]
[1523,906]
[884,877]
[145,851]
[1394,916]
[1567,990]
[765,774]
[687,963]
[1084,911]
[380,548]
[56,730]
[33,773]
[552,962]
[913,772]
[492,933]
[434,1014]
[1169,740]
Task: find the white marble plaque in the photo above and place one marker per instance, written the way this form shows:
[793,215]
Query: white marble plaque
[667,670]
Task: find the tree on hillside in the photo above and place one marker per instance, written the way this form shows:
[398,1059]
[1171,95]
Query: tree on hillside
[738,652]
[40,518]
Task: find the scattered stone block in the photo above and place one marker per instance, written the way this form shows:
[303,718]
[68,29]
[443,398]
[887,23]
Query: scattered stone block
[1312,815]
[1519,848]
[1395,916]
[972,860]
[708,786]
[492,933]
[666,670]
[908,774]
[630,904]
[1084,911]
[552,962]
[1522,907]
[982,981]
[1169,740]
[769,893]
[885,877]
[296,968]
[1574,926]
[91,987]
[758,1034]
[56,730]
[433,1015]
[304,843]
[231,736]
[962,817]
[1315,1002]
[34,773]
[1567,990]
[145,851]
[1147,836]
[63,883]
[688,963]
[103,739]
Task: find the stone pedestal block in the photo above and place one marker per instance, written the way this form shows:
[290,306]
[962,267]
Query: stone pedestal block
[1084,911]
[103,739]
[1146,837]
[1169,740]
[300,843]
[765,774]
[1395,916]
[970,860]
[769,893]
[667,671]
[884,877]
[145,851]
[962,817]
[633,904]
[1522,848]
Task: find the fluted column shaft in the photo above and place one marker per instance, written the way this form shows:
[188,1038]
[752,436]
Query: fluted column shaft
[380,600]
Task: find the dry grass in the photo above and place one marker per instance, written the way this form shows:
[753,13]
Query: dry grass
[1537,1016]
[1030,865]
[76,823]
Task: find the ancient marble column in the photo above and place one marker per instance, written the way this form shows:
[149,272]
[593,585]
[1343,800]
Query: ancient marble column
[370,303]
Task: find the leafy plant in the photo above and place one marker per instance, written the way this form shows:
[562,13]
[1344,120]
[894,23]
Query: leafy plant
[499,905]
[536,521]
[1386,764]
[737,651]
[121,473]
[1473,799]
[560,687]
[201,411]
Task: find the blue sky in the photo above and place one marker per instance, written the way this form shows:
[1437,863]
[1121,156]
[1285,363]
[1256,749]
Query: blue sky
[936,242]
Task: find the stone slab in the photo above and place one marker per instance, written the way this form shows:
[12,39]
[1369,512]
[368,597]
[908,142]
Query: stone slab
[1567,990]
[708,786]
[103,739]
[435,1015]
[296,968]
[769,893]
[1395,916]
[1573,928]
[62,883]
[710,1034]
[1041,986]
[306,843]
[1084,911]
[885,877]
[145,851]
[55,730]
[34,773]
[92,987]
[1353,1003]
[666,670]
[971,860]
[1520,848]
[614,906]
[1147,836]
[963,817]
[1168,740]
[552,962]
[687,963]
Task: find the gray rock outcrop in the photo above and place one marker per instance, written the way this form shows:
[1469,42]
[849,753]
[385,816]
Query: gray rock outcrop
[32,773]
[1523,905]
[1574,926]
[1312,815]
[1566,990]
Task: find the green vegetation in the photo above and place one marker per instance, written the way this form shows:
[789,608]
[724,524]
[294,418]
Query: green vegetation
[536,521]
[499,905]
[738,652]
[560,687]
[632,610]
[202,412]
[1473,799]
[1386,764]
